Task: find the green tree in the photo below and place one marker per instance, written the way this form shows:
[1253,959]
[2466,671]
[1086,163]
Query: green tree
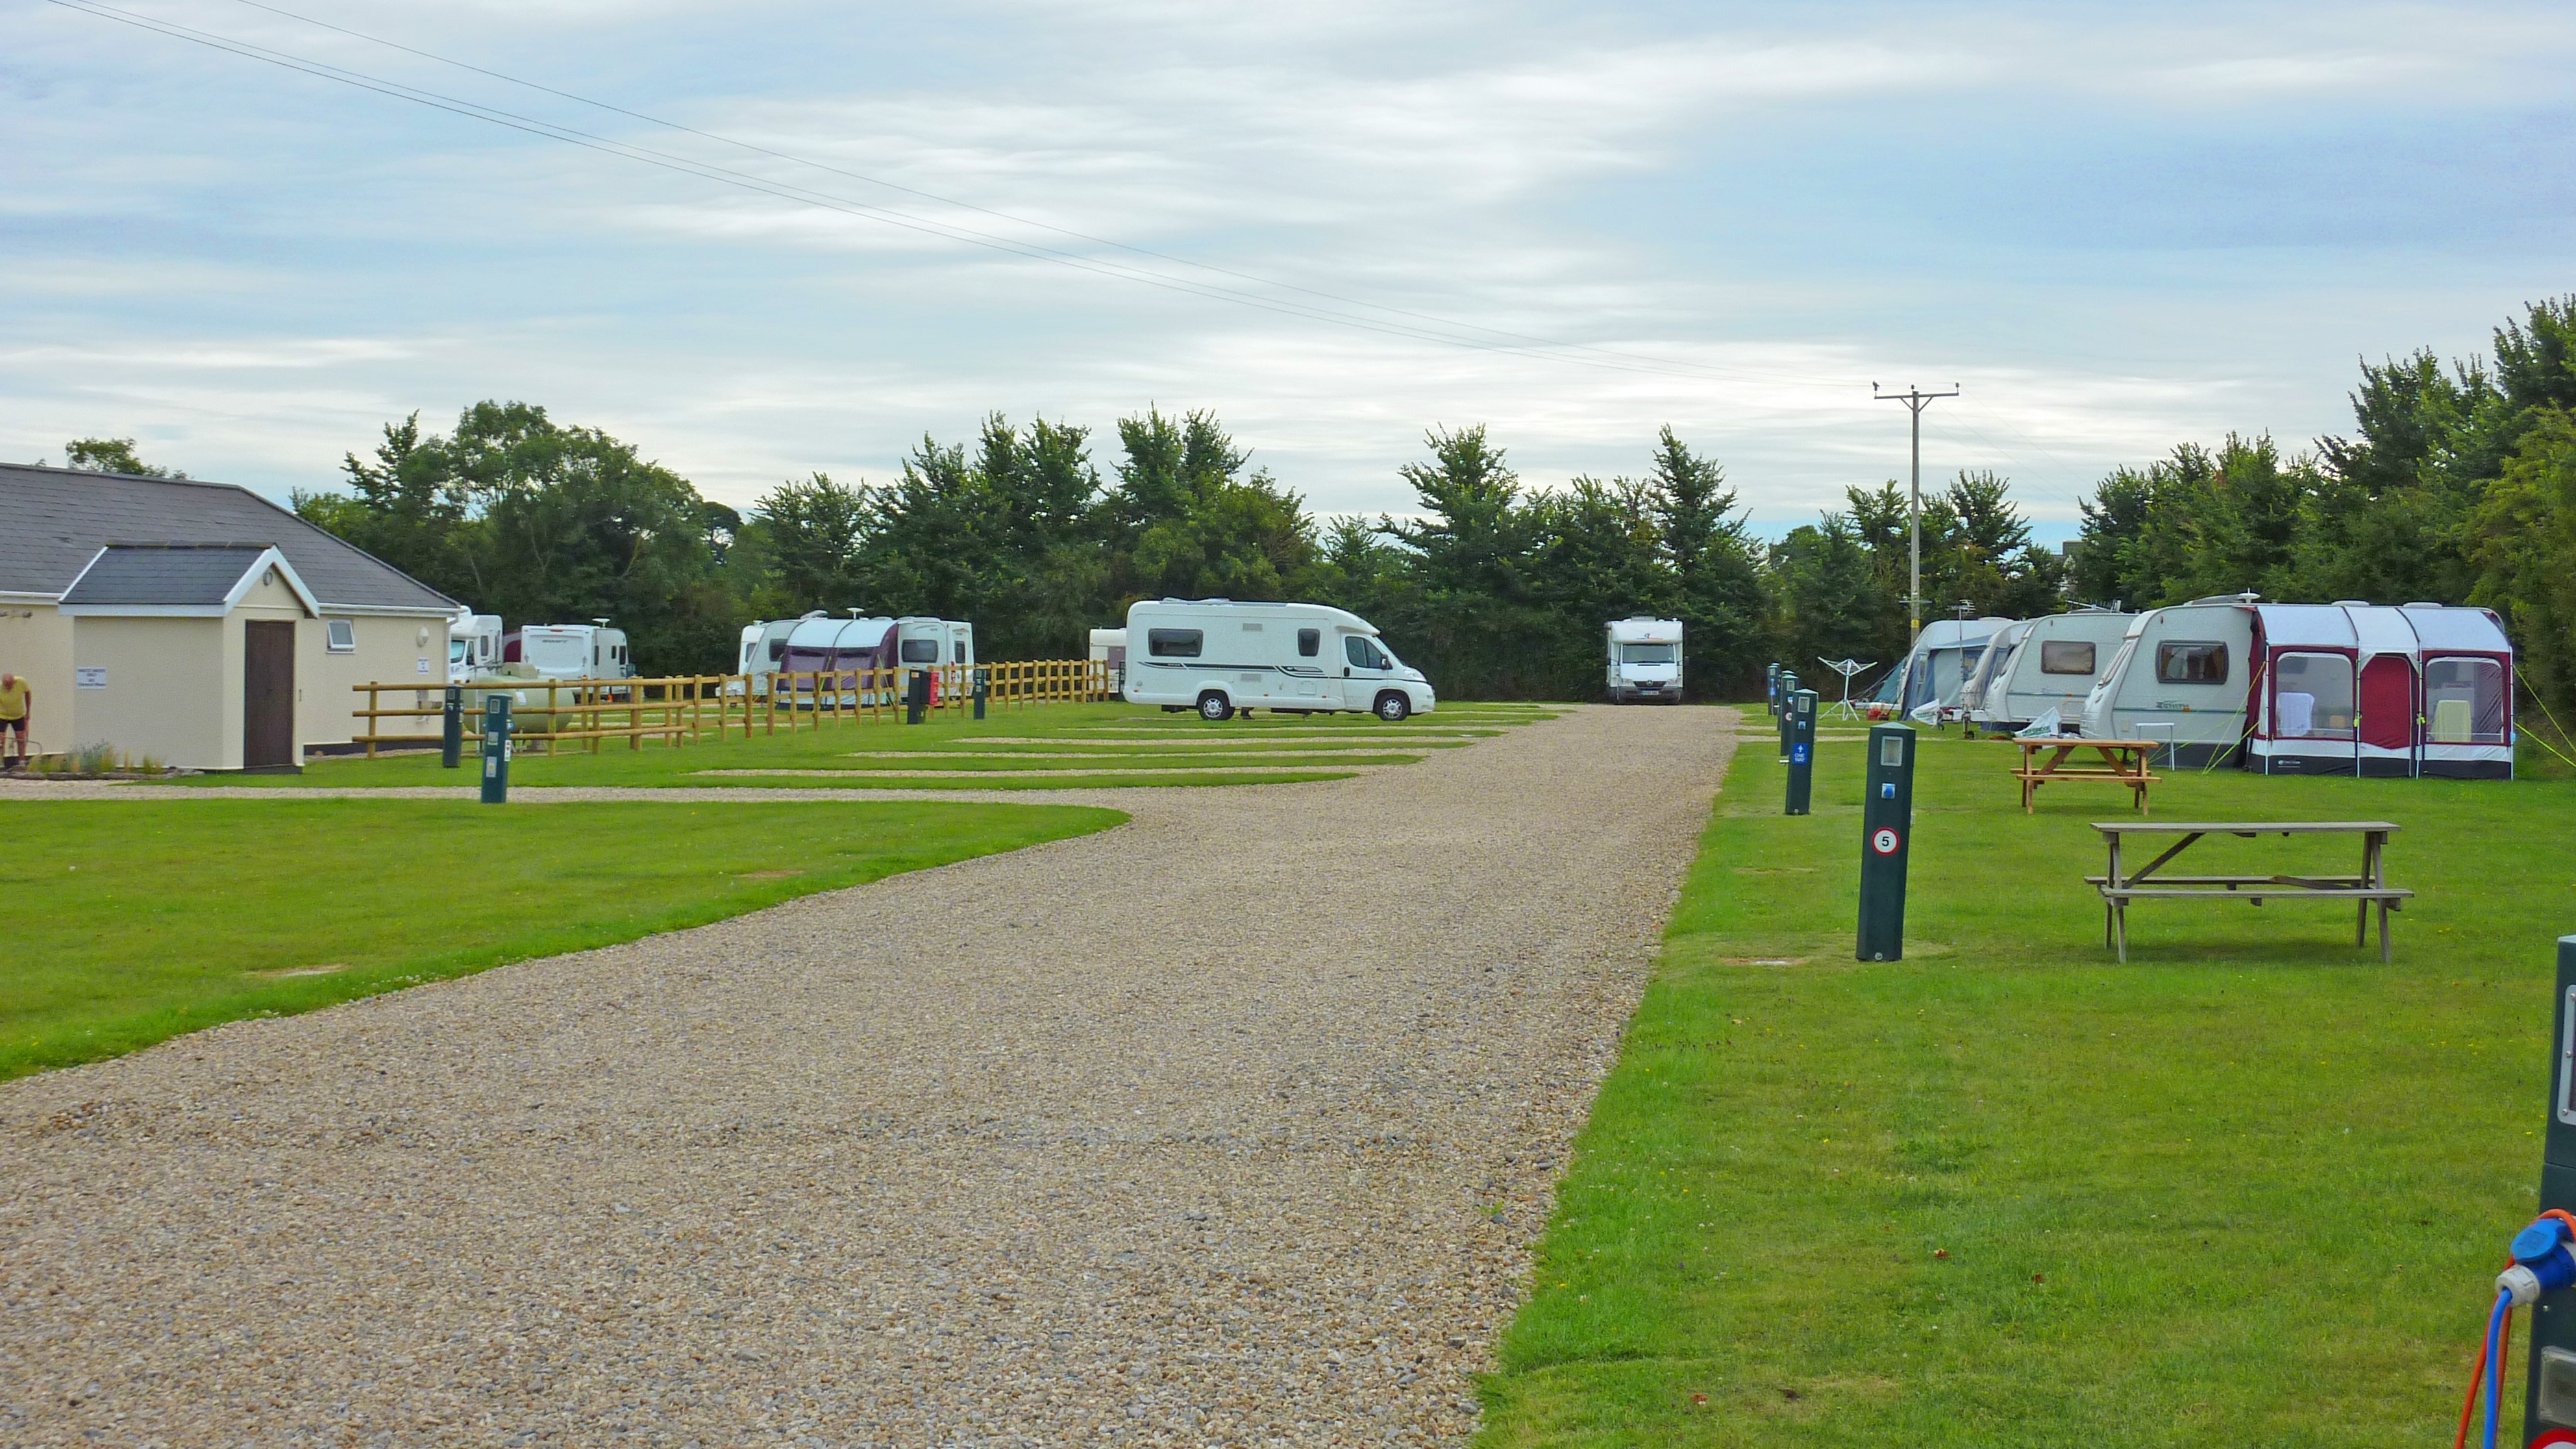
[2525,531]
[110,455]
[1717,570]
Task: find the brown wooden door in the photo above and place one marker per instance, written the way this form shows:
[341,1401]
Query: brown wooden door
[268,694]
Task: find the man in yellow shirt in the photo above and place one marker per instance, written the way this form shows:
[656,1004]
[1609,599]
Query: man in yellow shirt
[16,699]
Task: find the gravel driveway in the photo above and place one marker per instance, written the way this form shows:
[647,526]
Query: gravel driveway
[1229,1126]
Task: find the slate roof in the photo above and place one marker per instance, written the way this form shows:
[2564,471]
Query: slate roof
[166,573]
[53,521]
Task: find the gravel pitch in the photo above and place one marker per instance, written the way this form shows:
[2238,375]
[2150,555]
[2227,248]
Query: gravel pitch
[1233,1125]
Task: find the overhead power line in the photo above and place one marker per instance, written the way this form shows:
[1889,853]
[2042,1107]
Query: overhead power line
[1532,347]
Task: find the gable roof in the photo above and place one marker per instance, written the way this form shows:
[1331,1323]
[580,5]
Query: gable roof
[178,578]
[54,521]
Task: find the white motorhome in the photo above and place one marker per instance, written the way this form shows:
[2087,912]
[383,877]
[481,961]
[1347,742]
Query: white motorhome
[473,645]
[1645,660]
[2044,664]
[570,651]
[1217,656]
[1109,647]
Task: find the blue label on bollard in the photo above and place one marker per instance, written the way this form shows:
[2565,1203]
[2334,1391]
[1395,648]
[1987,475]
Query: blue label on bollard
[1798,756]
[1887,791]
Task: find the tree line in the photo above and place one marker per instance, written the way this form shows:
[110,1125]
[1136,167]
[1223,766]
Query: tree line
[2458,485]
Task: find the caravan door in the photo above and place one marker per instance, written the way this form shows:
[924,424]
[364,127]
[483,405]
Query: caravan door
[1366,669]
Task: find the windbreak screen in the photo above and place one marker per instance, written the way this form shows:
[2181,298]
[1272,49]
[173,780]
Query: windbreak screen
[1174,643]
[2464,701]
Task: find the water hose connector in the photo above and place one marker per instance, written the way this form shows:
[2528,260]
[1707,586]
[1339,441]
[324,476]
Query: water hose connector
[2542,1262]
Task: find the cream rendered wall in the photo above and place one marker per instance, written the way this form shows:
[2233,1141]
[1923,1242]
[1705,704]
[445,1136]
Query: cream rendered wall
[36,645]
[165,689]
[390,651]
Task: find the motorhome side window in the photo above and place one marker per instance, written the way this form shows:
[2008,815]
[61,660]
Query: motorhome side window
[1363,653]
[1310,642]
[2072,656]
[920,651]
[2191,662]
[1174,643]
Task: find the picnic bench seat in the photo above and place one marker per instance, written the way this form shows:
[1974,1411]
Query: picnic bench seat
[2368,889]
[2123,762]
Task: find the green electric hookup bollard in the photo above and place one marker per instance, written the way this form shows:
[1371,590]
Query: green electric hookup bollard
[1802,751]
[496,748]
[451,730]
[1886,828]
[1788,687]
[2549,1380]
[983,686]
[916,696]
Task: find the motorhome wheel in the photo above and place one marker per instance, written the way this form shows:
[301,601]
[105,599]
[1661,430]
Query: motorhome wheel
[1392,707]
[1215,707]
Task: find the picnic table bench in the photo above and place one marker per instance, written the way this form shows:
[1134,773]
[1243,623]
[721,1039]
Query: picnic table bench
[2122,761]
[2367,890]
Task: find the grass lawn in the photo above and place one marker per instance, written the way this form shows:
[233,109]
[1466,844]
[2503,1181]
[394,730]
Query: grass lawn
[1122,744]
[132,922]
[2251,1188]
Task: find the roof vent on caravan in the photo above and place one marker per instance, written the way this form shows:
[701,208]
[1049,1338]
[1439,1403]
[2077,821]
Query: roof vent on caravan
[2352,603]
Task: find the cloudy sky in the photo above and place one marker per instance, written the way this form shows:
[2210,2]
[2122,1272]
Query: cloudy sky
[2115,227]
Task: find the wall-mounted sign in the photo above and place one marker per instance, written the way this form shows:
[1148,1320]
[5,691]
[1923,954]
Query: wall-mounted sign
[89,676]
[420,666]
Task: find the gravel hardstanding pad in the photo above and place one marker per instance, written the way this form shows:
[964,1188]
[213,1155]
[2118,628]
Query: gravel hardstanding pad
[1230,1126]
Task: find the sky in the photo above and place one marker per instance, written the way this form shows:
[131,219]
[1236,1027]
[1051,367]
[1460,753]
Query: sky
[2112,228]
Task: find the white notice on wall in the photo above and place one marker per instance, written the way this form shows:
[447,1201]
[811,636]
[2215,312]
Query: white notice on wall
[420,666]
[89,676]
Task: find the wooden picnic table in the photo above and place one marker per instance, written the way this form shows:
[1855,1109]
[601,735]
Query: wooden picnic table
[2368,889]
[2122,762]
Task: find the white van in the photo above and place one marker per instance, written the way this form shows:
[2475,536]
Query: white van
[571,651]
[1645,660]
[473,645]
[1217,656]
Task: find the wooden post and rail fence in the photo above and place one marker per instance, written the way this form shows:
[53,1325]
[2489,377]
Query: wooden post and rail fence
[685,708]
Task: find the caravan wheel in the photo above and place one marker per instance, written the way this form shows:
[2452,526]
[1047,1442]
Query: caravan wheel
[1215,707]
[1393,707]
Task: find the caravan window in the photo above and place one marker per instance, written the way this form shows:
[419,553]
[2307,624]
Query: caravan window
[2185,661]
[1645,653]
[777,648]
[2464,701]
[1310,642]
[1174,643]
[959,650]
[920,651]
[2066,656]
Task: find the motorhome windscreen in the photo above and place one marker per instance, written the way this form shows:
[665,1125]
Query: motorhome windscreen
[2312,697]
[1174,643]
[2464,701]
[920,651]
[2066,656]
[455,651]
[1645,653]
[2186,661]
[1310,642]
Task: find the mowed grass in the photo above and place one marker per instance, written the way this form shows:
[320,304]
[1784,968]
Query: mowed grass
[129,922]
[1076,746]
[2251,1188]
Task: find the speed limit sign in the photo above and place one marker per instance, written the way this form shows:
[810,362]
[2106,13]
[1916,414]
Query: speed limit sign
[1884,842]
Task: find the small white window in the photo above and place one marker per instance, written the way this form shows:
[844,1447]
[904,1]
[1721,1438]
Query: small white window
[343,636]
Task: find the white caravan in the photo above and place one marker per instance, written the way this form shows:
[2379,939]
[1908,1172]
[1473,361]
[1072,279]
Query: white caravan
[1217,656]
[764,652]
[1109,647]
[2309,689]
[1988,666]
[1645,660]
[1937,667]
[2045,664]
[473,645]
[571,651]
